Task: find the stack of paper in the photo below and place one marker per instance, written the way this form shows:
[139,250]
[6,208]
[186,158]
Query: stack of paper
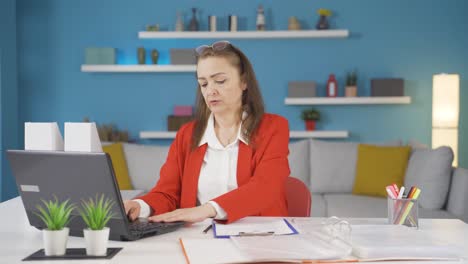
[399,242]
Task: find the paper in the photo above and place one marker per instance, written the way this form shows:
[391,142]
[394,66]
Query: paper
[42,136]
[82,137]
[254,226]
[211,250]
[292,249]
[399,242]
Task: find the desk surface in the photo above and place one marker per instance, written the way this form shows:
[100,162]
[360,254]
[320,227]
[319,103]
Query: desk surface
[18,239]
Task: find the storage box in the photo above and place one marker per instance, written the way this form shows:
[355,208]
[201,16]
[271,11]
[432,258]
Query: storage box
[182,56]
[387,87]
[302,89]
[183,110]
[100,56]
[175,122]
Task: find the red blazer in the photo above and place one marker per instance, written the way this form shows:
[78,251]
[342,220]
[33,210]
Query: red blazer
[262,169]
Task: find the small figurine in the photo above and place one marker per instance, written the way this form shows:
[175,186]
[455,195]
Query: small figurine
[293,24]
[154,56]
[193,26]
[179,23]
[260,18]
[141,55]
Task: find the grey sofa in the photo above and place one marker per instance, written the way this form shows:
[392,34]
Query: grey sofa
[328,168]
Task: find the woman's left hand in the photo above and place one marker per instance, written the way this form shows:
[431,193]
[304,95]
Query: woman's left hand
[194,214]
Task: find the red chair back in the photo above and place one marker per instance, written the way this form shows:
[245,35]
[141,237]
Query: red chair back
[298,198]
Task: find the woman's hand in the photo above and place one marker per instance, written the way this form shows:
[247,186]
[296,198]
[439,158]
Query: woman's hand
[194,214]
[132,209]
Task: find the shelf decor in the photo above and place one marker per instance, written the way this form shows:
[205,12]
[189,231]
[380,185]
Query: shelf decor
[292,134]
[268,34]
[310,117]
[348,100]
[351,84]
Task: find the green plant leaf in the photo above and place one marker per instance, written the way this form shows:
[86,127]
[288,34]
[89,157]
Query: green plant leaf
[55,214]
[96,212]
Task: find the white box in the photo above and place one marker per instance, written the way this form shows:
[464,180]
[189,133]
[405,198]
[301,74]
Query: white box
[42,136]
[82,137]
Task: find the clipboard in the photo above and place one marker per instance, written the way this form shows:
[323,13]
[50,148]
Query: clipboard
[254,226]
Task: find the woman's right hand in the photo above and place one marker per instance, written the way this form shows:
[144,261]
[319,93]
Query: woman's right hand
[132,209]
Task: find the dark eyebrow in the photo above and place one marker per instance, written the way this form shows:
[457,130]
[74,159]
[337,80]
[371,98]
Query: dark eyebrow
[212,76]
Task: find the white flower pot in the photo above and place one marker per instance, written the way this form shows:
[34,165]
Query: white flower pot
[55,241]
[96,241]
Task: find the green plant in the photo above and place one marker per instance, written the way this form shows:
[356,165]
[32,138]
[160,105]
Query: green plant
[96,212]
[324,12]
[55,215]
[310,114]
[351,79]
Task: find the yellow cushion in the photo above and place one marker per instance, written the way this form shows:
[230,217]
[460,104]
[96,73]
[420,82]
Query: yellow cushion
[379,166]
[120,165]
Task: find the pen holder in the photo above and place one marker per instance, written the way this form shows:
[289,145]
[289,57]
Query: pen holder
[403,212]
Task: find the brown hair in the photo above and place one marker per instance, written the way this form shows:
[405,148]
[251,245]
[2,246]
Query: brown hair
[252,101]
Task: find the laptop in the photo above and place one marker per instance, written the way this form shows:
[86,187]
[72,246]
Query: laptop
[76,176]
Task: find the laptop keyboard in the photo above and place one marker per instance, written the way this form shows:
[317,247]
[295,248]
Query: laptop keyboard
[140,228]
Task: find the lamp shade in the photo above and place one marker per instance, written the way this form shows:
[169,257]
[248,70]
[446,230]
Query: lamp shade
[445,100]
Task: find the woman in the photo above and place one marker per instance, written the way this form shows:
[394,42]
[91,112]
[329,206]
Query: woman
[231,161]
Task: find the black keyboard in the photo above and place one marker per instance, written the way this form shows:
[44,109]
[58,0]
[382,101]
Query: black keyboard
[143,228]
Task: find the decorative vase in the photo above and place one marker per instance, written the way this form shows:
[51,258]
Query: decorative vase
[193,26]
[322,23]
[310,125]
[179,23]
[55,241]
[96,241]
[351,91]
[154,56]
[141,55]
[293,23]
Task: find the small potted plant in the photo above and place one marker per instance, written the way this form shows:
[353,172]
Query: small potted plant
[310,116]
[56,216]
[351,84]
[96,213]
[323,21]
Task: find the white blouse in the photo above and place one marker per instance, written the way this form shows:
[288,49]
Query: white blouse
[218,174]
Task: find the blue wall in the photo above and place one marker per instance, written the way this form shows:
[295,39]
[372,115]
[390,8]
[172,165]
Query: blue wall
[9,123]
[408,39]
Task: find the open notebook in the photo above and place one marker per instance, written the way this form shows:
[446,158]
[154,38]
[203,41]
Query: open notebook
[333,240]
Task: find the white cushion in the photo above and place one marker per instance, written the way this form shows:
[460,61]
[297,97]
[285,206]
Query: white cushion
[430,170]
[333,165]
[299,160]
[144,163]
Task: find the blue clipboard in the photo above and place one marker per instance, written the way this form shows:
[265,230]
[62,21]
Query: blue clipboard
[294,231]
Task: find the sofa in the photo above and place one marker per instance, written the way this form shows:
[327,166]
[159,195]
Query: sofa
[328,168]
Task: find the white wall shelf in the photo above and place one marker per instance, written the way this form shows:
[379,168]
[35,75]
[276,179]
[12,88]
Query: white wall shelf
[348,100]
[335,33]
[292,134]
[318,134]
[137,68]
[157,134]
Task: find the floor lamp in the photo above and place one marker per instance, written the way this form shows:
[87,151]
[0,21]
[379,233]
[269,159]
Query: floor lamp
[445,111]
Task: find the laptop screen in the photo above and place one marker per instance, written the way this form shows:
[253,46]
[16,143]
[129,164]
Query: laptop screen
[41,175]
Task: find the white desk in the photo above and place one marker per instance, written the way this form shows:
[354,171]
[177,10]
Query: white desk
[18,239]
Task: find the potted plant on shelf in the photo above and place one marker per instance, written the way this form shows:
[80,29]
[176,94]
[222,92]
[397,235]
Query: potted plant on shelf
[323,21]
[56,216]
[351,84]
[96,213]
[310,116]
